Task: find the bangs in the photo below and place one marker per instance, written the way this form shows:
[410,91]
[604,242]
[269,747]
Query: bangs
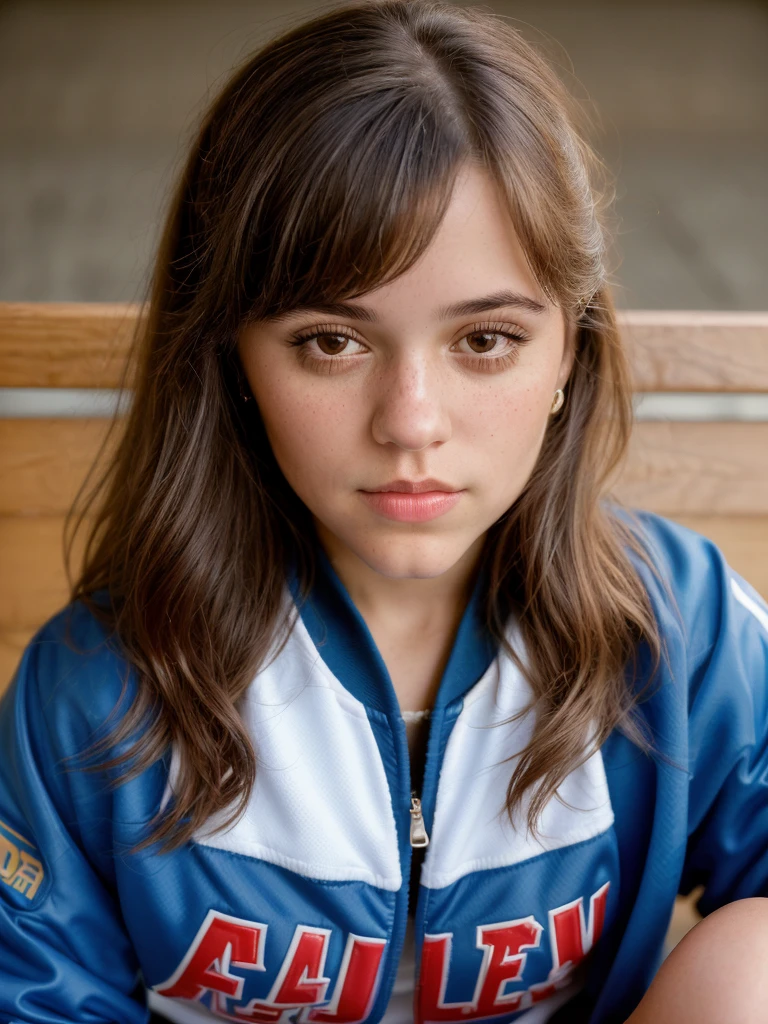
[347,216]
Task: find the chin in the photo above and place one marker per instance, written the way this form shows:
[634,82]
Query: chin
[409,557]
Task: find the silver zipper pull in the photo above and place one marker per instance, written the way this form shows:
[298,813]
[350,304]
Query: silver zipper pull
[419,835]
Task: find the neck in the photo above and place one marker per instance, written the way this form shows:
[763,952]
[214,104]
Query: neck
[407,605]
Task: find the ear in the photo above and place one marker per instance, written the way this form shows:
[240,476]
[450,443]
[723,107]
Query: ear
[569,354]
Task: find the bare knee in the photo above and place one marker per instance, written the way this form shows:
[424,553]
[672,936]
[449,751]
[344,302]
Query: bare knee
[716,974]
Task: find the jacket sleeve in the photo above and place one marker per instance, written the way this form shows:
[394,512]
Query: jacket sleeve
[727,849]
[64,951]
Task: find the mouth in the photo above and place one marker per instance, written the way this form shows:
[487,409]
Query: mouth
[411,506]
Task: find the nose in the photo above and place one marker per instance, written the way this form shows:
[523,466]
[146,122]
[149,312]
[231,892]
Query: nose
[410,407]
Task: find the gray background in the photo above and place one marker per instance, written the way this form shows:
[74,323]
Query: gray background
[98,99]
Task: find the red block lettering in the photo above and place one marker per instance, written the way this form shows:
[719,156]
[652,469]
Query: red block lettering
[502,962]
[301,980]
[221,941]
[355,988]
[572,938]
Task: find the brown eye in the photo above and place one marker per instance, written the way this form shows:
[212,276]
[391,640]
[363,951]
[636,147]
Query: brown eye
[331,344]
[486,342]
[483,350]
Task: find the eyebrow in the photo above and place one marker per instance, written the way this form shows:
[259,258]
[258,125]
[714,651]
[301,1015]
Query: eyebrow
[468,307]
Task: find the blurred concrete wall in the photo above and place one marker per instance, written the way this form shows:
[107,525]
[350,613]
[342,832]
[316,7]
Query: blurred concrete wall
[98,98]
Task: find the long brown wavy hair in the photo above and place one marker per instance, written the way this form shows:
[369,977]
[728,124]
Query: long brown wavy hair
[321,171]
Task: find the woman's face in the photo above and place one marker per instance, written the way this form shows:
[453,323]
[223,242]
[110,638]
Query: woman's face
[447,372]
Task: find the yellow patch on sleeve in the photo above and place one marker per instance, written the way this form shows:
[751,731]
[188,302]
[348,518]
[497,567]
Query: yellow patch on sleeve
[19,867]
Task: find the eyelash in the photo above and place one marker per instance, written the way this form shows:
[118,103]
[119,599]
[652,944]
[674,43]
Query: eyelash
[488,363]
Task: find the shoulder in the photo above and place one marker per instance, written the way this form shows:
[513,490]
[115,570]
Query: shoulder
[684,558]
[698,597]
[73,678]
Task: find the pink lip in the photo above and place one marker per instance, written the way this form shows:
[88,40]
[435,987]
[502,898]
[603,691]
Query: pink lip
[411,508]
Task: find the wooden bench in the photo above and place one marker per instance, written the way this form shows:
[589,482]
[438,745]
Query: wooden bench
[712,476]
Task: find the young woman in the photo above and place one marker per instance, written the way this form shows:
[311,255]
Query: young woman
[368,704]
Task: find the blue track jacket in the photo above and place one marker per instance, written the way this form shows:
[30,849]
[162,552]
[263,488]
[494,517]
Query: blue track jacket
[298,911]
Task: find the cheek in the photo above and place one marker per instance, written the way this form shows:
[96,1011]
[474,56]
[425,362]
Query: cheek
[310,438]
[508,428]
[505,435]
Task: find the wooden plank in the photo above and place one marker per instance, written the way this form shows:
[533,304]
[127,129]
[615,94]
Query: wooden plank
[681,468]
[673,468]
[697,351]
[43,462]
[84,345]
[64,344]
[32,570]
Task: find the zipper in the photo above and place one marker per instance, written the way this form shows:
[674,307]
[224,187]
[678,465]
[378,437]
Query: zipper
[419,835]
[419,824]
[401,904]
[418,838]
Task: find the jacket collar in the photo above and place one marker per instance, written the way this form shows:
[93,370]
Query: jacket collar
[347,647]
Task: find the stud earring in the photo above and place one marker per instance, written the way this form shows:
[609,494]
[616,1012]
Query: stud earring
[557,401]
